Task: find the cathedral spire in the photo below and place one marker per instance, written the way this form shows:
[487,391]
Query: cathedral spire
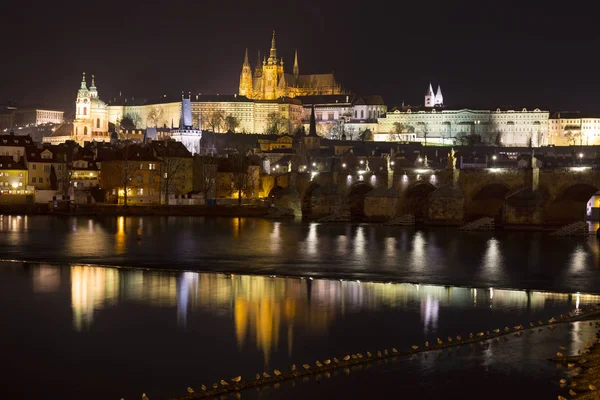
[439,99]
[83,83]
[273,51]
[93,81]
[312,130]
[296,68]
[246,62]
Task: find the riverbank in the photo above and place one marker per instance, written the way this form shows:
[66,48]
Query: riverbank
[244,211]
[584,383]
[119,210]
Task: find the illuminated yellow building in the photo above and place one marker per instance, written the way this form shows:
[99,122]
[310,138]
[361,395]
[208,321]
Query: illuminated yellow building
[282,142]
[270,82]
[13,176]
[140,168]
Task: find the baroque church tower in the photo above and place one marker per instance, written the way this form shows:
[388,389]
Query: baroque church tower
[246,78]
[82,125]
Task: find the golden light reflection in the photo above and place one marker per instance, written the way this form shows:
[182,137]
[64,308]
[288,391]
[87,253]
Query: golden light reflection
[46,278]
[120,237]
[265,312]
[92,288]
[275,238]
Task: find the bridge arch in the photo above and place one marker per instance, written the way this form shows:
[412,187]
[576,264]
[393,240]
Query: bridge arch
[356,198]
[306,202]
[276,192]
[488,201]
[570,203]
[415,199]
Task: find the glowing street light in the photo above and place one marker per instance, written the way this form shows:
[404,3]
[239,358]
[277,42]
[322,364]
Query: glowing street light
[392,163]
[420,159]
[362,161]
[494,157]
[314,164]
[580,155]
[344,165]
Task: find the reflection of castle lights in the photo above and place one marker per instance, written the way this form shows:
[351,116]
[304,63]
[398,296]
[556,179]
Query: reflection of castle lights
[311,239]
[577,301]
[429,313]
[492,260]
[417,256]
[577,263]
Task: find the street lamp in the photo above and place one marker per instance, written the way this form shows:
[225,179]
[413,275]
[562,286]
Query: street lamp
[494,157]
[344,165]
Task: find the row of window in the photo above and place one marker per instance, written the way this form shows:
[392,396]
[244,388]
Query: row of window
[6,173]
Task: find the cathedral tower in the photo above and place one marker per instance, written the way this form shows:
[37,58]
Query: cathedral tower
[246,78]
[429,97]
[439,99]
[272,71]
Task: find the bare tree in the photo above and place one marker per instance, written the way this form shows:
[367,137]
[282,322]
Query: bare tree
[214,120]
[118,171]
[155,115]
[398,129]
[173,168]
[336,129]
[277,124]
[205,174]
[231,123]
[133,118]
[425,131]
[244,177]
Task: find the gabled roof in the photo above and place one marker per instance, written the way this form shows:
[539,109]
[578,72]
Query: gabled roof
[7,162]
[169,148]
[15,140]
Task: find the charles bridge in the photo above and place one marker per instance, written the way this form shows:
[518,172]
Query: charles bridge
[444,196]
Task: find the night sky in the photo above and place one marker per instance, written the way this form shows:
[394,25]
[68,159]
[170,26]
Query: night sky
[484,54]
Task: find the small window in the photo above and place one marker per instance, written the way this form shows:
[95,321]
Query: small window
[33,179]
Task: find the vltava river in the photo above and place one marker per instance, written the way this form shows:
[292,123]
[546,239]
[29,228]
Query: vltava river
[73,330]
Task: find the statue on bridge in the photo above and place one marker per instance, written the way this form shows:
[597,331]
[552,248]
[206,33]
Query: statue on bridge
[367,166]
[289,166]
[451,160]
[388,162]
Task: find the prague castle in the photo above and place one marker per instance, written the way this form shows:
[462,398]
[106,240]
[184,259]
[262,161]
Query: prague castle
[270,82]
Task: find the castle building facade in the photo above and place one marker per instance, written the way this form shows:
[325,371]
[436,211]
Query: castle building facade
[270,82]
[435,123]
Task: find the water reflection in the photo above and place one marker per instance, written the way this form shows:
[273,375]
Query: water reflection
[418,256]
[46,278]
[492,260]
[266,311]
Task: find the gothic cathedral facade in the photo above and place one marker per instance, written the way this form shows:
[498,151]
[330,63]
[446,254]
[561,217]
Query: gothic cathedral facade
[270,82]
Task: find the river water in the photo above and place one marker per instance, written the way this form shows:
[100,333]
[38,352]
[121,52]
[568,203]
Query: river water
[190,301]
